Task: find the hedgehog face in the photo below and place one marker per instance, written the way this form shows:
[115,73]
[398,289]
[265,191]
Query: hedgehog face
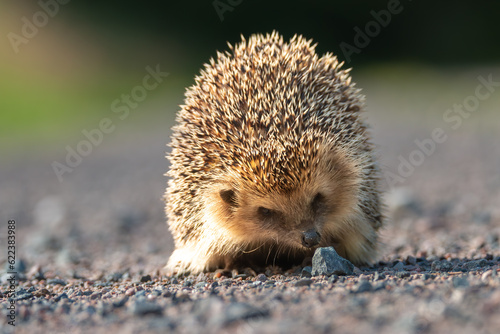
[290,218]
[301,217]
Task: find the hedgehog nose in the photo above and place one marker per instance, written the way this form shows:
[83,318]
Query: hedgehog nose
[310,238]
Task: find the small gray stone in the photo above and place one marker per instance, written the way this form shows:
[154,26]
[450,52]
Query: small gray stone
[226,282]
[304,282]
[306,272]
[427,276]
[442,266]
[402,274]
[411,260]
[145,278]
[333,279]
[95,295]
[55,281]
[399,266]
[254,284]
[242,276]
[460,282]
[262,278]
[141,307]
[61,296]
[22,296]
[326,261]
[201,285]
[363,286]
[476,264]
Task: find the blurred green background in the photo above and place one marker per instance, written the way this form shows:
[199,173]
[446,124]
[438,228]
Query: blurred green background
[87,54]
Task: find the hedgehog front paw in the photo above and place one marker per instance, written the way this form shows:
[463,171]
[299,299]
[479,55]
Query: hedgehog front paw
[184,262]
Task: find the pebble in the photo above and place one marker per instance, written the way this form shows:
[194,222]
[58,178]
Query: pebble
[141,307]
[303,282]
[145,278]
[442,265]
[427,276]
[403,274]
[411,260]
[61,296]
[22,295]
[363,286]
[486,275]
[226,282]
[201,285]
[242,276]
[113,277]
[476,264]
[332,279]
[460,282]
[326,261]
[36,273]
[306,272]
[42,292]
[399,266]
[130,292]
[95,295]
[261,277]
[55,281]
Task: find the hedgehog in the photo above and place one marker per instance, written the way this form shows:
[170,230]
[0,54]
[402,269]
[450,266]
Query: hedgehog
[271,159]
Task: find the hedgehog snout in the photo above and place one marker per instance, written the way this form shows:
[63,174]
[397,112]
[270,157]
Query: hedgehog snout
[310,238]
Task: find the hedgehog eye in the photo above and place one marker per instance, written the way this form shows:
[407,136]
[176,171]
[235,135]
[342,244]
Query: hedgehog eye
[317,201]
[264,212]
[228,196]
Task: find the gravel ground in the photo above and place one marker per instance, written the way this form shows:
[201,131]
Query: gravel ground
[89,251]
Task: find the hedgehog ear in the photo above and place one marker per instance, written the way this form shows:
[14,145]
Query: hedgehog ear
[228,196]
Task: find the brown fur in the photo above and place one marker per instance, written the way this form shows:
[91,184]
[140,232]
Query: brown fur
[271,126]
